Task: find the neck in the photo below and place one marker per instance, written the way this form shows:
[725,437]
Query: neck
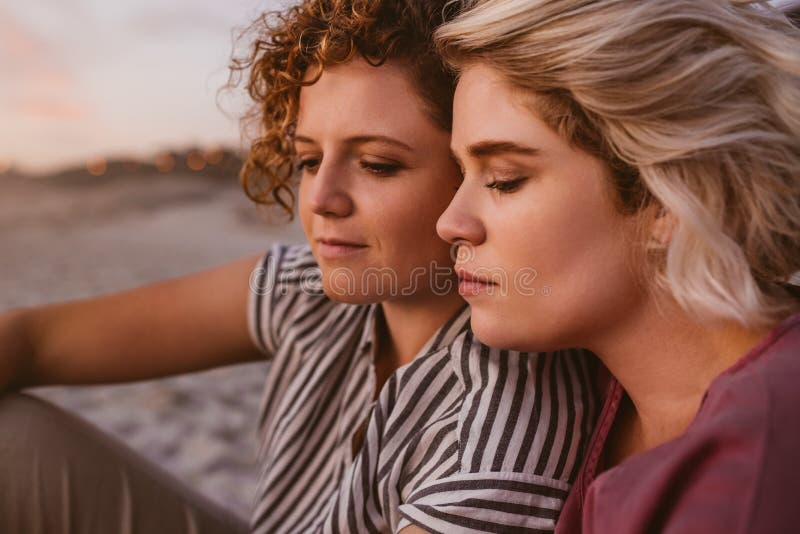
[666,361]
[410,322]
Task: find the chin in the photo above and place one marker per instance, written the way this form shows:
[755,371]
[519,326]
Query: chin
[351,299]
[493,332]
[347,293]
[505,333]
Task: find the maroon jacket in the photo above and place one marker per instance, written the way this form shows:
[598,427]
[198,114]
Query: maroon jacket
[735,469]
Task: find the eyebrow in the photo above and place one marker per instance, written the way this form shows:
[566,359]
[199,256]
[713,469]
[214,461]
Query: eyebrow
[361,139]
[493,148]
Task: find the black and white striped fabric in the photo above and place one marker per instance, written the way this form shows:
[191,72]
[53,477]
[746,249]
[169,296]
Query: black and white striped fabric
[465,438]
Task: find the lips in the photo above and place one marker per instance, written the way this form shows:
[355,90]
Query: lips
[333,247]
[474,284]
[339,242]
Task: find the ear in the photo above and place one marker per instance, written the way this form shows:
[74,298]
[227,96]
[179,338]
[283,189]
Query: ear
[662,228]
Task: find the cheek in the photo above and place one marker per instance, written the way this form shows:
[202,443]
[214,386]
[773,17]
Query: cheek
[583,279]
[408,234]
[439,194]
[415,208]
[558,230]
[303,210]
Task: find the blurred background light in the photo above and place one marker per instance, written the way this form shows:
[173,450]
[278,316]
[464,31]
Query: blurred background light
[89,78]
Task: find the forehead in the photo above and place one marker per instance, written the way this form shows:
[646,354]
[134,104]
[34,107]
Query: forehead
[484,100]
[487,107]
[351,98]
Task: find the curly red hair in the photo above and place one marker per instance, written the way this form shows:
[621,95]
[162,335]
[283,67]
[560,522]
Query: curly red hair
[317,34]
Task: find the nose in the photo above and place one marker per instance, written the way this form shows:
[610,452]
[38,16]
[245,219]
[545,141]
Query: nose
[327,193]
[460,223]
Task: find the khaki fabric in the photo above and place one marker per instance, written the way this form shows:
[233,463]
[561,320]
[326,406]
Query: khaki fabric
[60,474]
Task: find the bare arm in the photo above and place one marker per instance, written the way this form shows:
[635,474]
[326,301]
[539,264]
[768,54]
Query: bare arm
[187,324]
[413,529]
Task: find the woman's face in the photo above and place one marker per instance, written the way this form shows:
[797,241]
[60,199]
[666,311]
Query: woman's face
[375,176]
[537,226]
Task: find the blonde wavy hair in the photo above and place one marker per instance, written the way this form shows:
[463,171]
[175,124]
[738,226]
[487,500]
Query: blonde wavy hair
[311,36]
[695,105]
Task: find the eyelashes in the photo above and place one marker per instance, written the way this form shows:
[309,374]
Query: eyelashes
[506,186]
[309,164]
[378,169]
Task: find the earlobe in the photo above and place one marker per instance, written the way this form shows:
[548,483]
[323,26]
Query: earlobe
[662,229]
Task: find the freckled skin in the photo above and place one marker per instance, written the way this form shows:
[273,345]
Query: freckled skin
[393,213]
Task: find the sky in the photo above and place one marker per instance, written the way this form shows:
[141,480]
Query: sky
[81,79]
[87,78]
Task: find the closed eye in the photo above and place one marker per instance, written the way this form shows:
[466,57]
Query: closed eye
[380,169]
[506,186]
[308,164]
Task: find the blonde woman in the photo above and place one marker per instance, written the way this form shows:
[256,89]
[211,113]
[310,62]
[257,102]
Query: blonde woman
[644,158]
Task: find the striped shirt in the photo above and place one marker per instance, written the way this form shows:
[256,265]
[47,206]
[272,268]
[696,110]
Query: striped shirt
[464,438]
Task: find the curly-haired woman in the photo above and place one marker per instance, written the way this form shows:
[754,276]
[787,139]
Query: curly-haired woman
[351,101]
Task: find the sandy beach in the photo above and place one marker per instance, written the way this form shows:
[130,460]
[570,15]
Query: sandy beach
[74,237]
